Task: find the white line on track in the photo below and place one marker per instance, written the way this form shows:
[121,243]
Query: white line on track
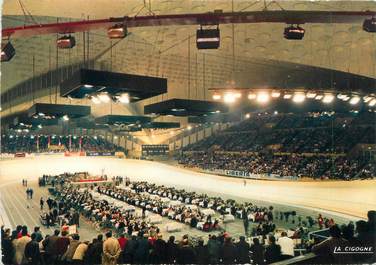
[9,198]
[7,212]
[27,210]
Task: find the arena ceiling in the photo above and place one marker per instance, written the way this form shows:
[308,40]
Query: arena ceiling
[249,53]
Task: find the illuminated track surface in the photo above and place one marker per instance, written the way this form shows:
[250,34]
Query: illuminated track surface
[348,199]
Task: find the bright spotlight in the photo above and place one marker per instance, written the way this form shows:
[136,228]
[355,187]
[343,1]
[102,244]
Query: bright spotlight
[124,98]
[229,97]
[328,98]
[354,100]
[247,116]
[104,97]
[367,99]
[294,33]
[262,97]
[189,127]
[276,94]
[298,97]
[238,95]
[311,95]
[217,96]
[66,42]
[65,118]
[252,96]
[346,98]
[117,31]
[40,126]
[319,97]
[372,102]
[95,100]
[287,96]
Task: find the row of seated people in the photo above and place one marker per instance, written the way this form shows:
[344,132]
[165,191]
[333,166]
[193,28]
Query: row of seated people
[316,166]
[307,134]
[188,214]
[243,210]
[102,213]
[11,143]
[139,193]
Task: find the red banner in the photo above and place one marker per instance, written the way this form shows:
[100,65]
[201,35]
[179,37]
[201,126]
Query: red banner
[74,153]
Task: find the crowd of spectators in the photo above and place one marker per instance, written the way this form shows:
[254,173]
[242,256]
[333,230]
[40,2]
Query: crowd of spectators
[312,132]
[312,145]
[13,143]
[314,166]
[132,239]
[19,247]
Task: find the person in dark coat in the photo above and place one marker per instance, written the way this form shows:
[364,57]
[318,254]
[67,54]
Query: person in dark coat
[202,253]
[94,251]
[257,252]
[76,218]
[41,203]
[38,234]
[62,244]
[243,251]
[129,250]
[159,250]
[6,246]
[171,250]
[273,251]
[327,248]
[186,254]
[141,255]
[32,252]
[213,249]
[229,251]
[50,246]
[245,223]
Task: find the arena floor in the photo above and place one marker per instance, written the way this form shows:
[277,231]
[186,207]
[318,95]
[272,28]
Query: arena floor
[342,200]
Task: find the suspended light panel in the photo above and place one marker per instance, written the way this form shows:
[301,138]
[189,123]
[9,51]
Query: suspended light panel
[354,100]
[328,98]
[298,97]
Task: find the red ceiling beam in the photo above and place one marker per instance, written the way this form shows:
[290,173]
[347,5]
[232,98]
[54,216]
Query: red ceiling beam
[290,17]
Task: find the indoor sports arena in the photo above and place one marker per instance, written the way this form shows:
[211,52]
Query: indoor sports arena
[188,132]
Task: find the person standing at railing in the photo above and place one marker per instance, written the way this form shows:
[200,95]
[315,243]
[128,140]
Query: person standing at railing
[287,246]
[328,248]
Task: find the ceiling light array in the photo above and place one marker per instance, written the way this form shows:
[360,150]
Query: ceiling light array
[206,37]
[104,97]
[264,96]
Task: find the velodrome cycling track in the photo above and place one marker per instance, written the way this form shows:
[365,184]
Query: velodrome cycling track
[346,199]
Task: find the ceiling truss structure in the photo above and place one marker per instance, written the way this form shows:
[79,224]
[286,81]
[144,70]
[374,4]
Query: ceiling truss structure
[215,18]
